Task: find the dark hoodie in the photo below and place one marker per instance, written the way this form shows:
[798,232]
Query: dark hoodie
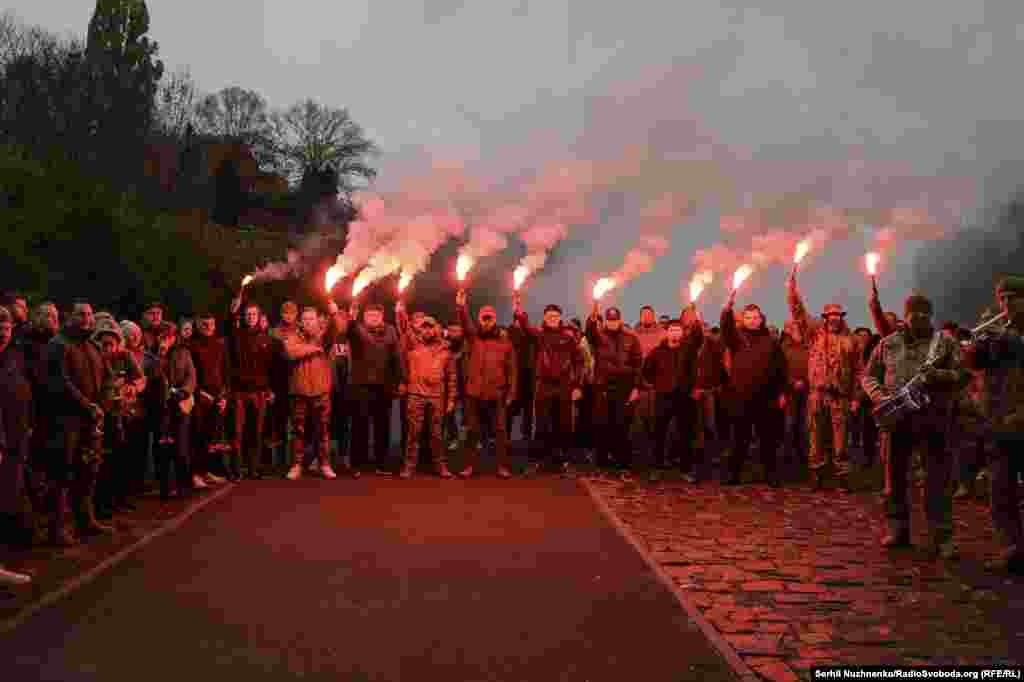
[250,357]
[376,358]
[670,369]
[559,360]
[758,372]
[210,357]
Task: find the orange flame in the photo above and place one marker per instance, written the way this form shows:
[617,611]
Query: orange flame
[247,280]
[363,279]
[403,281]
[741,275]
[519,276]
[603,286]
[462,266]
[871,260]
[801,250]
[697,284]
[334,273]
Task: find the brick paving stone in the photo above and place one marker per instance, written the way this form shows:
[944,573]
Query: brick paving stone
[797,578]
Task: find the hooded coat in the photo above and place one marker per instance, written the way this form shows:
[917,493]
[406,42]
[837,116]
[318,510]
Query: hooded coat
[1000,362]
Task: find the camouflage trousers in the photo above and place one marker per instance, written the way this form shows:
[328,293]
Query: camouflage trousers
[422,413]
[827,424]
[319,408]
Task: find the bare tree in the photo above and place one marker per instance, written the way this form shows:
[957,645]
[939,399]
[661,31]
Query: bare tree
[311,138]
[176,103]
[233,113]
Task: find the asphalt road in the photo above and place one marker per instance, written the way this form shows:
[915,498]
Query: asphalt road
[375,579]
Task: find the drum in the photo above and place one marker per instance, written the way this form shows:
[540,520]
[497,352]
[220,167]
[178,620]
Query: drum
[900,406]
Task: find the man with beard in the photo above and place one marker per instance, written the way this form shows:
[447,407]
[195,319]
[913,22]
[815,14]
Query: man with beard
[455,335]
[310,387]
[617,364]
[408,328]
[377,373]
[833,368]
[209,416]
[279,411]
[796,351]
[558,381]
[492,378]
[999,355]
[671,369]
[250,359]
[756,391]
[17,306]
[522,407]
[897,359]
[152,316]
[650,334]
[77,373]
[430,395]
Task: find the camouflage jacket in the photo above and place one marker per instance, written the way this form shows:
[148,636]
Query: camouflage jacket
[1001,361]
[899,357]
[833,360]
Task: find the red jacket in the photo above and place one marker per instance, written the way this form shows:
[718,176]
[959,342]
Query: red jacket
[492,371]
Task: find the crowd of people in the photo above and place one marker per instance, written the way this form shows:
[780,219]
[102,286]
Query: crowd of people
[87,402]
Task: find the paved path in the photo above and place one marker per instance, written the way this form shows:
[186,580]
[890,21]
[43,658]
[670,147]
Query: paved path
[793,578]
[375,579]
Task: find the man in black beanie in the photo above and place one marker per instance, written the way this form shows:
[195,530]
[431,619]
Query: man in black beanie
[998,352]
[895,361]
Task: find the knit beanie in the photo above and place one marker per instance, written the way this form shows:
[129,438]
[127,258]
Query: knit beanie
[552,307]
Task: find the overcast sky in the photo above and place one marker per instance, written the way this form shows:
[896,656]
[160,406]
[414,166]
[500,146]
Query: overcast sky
[930,87]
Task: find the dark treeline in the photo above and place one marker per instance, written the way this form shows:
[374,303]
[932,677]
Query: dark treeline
[122,183]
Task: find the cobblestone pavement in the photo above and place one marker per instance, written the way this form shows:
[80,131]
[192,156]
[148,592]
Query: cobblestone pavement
[793,578]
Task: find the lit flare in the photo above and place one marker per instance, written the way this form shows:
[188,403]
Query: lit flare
[801,250]
[697,284]
[519,276]
[603,286]
[403,281]
[334,273]
[462,266]
[247,280]
[741,275]
[871,260]
[363,279]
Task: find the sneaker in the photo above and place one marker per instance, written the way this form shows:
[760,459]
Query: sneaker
[295,473]
[197,482]
[444,471]
[568,470]
[503,472]
[214,479]
[466,473]
[327,472]
[405,473]
[383,472]
[962,491]
[532,469]
[12,578]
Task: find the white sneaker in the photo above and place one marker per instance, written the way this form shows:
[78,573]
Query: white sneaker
[198,482]
[214,479]
[295,473]
[12,578]
[327,472]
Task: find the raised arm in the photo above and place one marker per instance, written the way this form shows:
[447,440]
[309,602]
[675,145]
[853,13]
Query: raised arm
[468,326]
[797,311]
[878,315]
[727,324]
